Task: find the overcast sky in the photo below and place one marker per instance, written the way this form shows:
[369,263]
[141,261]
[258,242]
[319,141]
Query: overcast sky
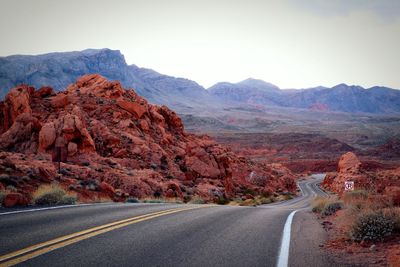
[291,43]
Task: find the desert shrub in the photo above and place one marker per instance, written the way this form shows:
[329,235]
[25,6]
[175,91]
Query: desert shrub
[222,201]
[393,214]
[68,200]
[318,204]
[51,195]
[249,191]
[154,200]
[331,208]
[379,202]
[248,202]
[356,200]
[371,226]
[326,206]
[266,200]
[197,200]
[2,196]
[132,200]
[356,194]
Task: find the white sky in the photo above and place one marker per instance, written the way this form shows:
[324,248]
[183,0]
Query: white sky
[291,43]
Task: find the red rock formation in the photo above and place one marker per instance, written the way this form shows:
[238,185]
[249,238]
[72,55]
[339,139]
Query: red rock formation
[120,145]
[350,168]
[16,102]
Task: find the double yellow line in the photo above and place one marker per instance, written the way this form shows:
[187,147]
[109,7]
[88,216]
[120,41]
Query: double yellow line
[25,254]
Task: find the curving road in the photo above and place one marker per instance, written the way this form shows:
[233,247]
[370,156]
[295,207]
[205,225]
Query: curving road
[165,235]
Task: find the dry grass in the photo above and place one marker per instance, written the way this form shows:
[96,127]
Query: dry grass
[162,200]
[258,200]
[52,194]
[369,216]
[326,206]
[197,200]
[102,199]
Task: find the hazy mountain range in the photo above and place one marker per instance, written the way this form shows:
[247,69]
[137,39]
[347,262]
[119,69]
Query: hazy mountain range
[58,70]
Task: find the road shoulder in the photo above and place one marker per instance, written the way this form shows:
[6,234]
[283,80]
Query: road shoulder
[308,238]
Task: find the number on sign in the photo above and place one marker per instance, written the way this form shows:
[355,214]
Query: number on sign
[348,186]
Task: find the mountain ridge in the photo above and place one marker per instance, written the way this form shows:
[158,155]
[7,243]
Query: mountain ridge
[59,69]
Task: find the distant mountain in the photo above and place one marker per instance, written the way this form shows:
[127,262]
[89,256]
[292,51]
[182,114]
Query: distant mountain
[58,70]
[342,97]
[250,91]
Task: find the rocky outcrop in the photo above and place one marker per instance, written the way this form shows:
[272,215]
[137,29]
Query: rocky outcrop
[117,144]
[16,102]
[350,168]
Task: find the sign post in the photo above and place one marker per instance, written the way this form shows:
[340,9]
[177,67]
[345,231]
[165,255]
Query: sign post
[60,152]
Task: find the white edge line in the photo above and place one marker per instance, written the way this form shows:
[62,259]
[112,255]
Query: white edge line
[52,208]
[283,258]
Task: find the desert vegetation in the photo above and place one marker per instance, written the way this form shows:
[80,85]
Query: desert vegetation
[52,194]
[365,216]
[326,206]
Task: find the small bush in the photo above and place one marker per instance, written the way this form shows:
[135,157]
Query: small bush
[248,202]
[154,200]
[68,200]
[52,195]
[318,204]
[249,191]
[393,214]
[197,200]
[371,226]
[2,196]
[132,200]
[326,206]
[331,208]
[222,201]
[266,200]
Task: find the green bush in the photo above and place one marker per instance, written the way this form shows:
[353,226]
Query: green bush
[372,226]
[222,201]
[155,200]
[132,200]
[331,208]
[68,200]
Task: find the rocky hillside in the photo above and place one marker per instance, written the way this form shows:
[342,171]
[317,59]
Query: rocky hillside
[113,142]
[58,70]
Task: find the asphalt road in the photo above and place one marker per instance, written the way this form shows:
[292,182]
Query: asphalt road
[162,235]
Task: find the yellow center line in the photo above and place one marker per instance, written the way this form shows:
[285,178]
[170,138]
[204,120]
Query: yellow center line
[51,245]
[62,238]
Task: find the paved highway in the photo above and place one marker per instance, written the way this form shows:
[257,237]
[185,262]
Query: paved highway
[166,235]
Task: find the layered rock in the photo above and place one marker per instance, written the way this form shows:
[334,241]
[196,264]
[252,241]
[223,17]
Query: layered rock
[116,143]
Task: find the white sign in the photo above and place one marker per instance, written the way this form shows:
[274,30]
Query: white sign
[349,186]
